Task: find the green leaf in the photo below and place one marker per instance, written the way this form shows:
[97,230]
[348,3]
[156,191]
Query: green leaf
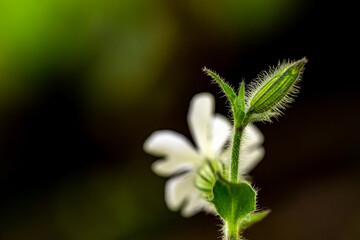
[229,92]
[253,218]
[239,109]
[241,97]
[233,201]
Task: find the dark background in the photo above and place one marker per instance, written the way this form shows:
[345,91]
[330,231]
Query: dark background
[84,83]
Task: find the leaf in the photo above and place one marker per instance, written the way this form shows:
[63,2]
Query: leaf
[253,218]
[233,201]
[241,97]
[239,108]
[229,92]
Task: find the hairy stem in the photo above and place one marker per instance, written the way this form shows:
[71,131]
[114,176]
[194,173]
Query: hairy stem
[235,156]
[231,231]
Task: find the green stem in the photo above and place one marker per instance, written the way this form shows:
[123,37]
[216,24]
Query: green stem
[234,165]
[231,231]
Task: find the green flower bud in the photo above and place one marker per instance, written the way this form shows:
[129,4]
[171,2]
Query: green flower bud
[275,90]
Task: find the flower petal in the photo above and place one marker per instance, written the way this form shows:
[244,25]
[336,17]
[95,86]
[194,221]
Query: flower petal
[167,142]
[179,188]
[170,166]
[199,118]
[251,151]
[178,151]
[250,159]
[220,132]
[194,204]
[252,136]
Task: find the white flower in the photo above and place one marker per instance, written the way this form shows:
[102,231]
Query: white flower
[210,132]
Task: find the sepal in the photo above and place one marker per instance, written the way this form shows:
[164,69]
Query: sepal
[206,177]
[253,218]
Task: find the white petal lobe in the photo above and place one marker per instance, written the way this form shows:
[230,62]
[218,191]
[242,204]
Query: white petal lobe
[170,166]
[220,133]
[199,118]
[193,205]
[177,189]
[250,159]
[167,142]
[252,135]
[179,153]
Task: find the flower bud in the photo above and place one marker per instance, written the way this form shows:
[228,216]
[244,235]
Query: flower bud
[277,89]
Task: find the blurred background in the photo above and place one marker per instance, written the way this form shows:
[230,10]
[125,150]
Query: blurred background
[84,83]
